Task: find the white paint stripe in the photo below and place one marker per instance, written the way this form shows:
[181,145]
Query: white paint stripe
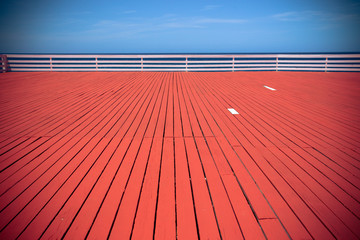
[233,111]
[272,89]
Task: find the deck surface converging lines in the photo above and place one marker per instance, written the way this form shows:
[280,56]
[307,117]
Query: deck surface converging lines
[186,155]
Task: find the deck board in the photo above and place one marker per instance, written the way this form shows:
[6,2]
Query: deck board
[147,155]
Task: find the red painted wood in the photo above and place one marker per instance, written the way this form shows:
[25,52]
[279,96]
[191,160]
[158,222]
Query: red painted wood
[178,128]
[207,224]
[186,221]
[145,216]
[165,227]
[227,220]
[143,155]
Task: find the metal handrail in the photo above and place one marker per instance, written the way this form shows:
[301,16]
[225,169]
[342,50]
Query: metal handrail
[180,62]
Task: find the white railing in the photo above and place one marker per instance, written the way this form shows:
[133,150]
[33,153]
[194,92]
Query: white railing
[181,62]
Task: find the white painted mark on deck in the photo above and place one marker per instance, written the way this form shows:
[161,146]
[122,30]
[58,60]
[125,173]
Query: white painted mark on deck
[272,89]
[233,111]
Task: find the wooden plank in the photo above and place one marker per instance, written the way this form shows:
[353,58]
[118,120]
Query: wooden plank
[144,221]
[199,116]
[169,120]
[304,161]
[327,208]
[207,223]
[271,227]
[249,224]
[195,127]
[7,144]
[251,190]
[178,128]
[228,223]
[55,213]
[185,217]
[150,131]
[294,227]
[165,227]
[160,125]
[323,212]
[122,225]
[185,120]
[9,158]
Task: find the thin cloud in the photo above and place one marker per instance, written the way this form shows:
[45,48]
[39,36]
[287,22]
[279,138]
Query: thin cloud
[291,16]
[314,15]
[210,7]
[129,12]
[221,20]
[167,22]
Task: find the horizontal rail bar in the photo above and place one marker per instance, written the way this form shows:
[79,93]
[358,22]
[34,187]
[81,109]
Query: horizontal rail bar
[251,69]
[254,61]
[208,65]
[118,65]
[73,65]
[301,65]
[343,65]
[118,61]
[163,65]
[301,61]
[30,65]
[28,61]
[256,65]
[343,61]
[158,61]
[301,69]
[32,69]
[72,61]
[205,61]
[344,69]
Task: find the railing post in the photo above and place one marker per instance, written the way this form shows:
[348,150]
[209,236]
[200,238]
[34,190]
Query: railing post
[277,63]
[51,64]
[233,64]
[96,63]
[142,63]
[5,65]
[326,63]
[186,64]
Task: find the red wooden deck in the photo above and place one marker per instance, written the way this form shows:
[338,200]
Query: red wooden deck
[158,155]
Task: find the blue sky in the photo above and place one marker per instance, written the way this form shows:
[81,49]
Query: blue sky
[186,26]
